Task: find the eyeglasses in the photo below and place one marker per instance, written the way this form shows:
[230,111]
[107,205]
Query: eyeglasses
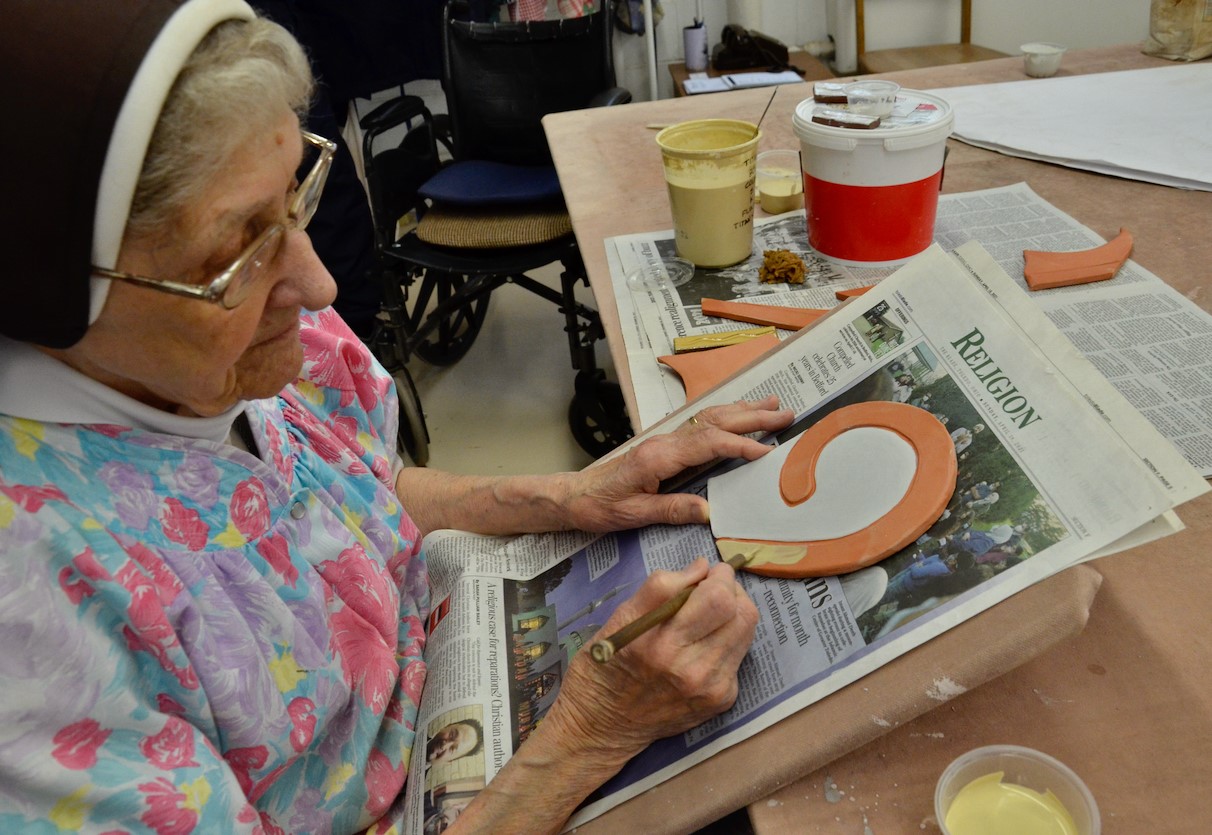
[233,285]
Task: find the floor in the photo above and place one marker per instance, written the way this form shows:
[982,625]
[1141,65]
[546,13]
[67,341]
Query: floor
[503,408]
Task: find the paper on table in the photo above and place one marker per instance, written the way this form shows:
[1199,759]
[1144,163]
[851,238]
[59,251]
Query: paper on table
[1153,125]
[739,81]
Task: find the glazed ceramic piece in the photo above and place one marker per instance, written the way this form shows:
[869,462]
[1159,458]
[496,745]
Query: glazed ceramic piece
[787,318]
[704,370]
[1045,270]
[856,487]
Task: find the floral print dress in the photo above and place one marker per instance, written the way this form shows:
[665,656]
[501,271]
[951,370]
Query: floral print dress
[197,639]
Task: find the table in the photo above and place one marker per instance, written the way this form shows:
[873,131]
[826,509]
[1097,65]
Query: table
[1127,703]
[813,68]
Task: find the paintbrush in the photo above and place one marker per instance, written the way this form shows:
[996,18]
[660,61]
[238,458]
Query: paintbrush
[604,649]
[758,126]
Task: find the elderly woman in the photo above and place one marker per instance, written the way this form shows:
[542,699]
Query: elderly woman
[212,586]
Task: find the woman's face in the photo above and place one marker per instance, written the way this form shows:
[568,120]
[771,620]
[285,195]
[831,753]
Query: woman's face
[194,357]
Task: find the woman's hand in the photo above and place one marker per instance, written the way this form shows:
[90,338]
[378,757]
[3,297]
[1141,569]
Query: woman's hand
[621,493]
[618,494]
[674,677]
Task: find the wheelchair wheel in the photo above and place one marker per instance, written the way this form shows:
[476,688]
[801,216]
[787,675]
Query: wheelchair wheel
[597,418]
[447,339]
[412,436]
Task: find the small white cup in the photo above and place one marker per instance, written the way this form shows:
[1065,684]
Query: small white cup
[1024,767]
[1041,60]
[780,182]
[694,46]
[872,98]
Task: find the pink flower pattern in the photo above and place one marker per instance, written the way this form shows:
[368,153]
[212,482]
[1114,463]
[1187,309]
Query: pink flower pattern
[166,812]
[383,782]
[172,748]
[184,525]
[250,508]
[157,604]
[76,744]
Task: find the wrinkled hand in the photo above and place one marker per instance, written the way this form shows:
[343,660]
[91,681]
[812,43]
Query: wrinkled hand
[672,678]
[621,493]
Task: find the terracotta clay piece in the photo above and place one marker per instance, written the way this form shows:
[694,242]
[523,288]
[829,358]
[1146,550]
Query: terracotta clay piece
[787,318]
[1045,270]
[842,295]
[931,487]
[701,371]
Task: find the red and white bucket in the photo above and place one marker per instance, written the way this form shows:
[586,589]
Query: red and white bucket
[871,195]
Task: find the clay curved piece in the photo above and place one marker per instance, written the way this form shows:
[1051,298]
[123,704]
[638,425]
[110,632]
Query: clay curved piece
[702,371]
[842,295]
[1045,270]
[787,318]
[930,489]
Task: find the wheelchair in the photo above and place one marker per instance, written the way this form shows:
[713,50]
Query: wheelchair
[450,228]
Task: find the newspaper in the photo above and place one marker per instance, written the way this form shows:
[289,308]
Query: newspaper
[1147,338]
[1054,468]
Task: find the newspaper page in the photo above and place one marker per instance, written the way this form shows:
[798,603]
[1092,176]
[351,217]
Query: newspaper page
[1049,474]
[1148,339]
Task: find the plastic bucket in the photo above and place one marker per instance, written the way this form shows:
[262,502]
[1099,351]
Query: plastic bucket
[709,168]
[871,196]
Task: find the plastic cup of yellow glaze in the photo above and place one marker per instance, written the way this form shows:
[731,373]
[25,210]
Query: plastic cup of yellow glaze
[1007,789]
[780,181]
[709,169]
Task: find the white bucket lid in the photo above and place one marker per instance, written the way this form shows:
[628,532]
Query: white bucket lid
[917,120]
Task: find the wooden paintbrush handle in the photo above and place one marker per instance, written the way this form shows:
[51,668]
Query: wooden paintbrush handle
[603,650]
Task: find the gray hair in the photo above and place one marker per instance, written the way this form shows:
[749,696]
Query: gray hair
[234,85]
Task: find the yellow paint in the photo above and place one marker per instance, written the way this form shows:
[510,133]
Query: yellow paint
[763,553]
[987,806]
[780,190]
[70,811]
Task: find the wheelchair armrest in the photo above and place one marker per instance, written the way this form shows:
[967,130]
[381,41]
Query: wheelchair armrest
[442,132]
[397,111]
[613,95]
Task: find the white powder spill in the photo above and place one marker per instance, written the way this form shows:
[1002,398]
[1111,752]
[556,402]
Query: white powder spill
[832,793]
[944,690]
[881,721]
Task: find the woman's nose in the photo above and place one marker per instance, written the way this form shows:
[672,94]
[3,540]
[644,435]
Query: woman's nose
[304,280]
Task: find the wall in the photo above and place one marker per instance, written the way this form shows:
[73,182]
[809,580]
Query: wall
[996,24]
[793,22]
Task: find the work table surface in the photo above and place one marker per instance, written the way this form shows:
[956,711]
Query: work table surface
[1128,702]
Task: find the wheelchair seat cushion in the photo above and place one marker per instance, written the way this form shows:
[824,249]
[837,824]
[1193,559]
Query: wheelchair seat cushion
[492,228]
[482,183]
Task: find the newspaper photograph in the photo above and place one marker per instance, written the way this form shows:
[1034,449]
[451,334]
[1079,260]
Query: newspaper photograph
[1148,339]
[1054,467]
